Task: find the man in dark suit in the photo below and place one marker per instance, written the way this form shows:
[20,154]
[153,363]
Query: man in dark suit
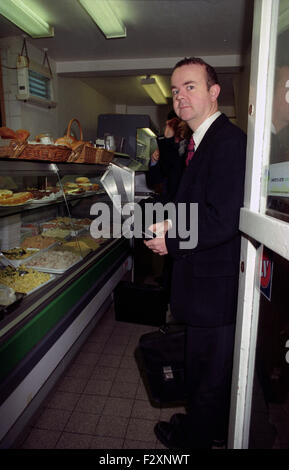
[205,277]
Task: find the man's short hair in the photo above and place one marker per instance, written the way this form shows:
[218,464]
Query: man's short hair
[212,78]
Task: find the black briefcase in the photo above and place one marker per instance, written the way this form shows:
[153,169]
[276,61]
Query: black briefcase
[140,303]
[162,359]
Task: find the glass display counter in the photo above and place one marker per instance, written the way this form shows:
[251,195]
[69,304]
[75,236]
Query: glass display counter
[55,277]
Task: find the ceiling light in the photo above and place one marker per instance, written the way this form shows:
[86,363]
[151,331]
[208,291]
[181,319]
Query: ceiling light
[25,18]
[103,15]
[153,89]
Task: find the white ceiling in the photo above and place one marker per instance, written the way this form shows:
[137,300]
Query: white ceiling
[159,32]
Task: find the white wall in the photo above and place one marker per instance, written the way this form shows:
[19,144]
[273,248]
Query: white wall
[74,98]
[20,115]
[78,100]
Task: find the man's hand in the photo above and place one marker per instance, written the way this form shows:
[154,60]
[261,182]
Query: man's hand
[158,244]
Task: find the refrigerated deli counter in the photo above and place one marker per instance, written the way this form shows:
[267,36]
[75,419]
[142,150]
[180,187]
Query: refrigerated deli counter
[56,279]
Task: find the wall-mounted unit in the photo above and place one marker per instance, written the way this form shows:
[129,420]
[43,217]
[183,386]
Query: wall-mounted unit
[35,83]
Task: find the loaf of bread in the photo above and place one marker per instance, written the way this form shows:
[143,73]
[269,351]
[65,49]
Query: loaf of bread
[22,135]
[7,133]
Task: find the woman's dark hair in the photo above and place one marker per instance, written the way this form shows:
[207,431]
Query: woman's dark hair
[212,77]
[171,115]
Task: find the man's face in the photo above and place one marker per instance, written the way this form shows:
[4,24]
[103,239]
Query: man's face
[192,100]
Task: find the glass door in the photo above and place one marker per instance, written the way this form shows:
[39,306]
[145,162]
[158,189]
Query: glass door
[259,415]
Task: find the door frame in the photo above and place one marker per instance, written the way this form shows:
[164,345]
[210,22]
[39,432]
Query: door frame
[257,228]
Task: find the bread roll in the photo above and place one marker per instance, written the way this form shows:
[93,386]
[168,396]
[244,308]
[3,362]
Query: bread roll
[4,193]
[66,140]
[7,133]
[82,179]
[22,135]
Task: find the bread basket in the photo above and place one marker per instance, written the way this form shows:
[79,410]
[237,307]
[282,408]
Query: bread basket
[68,139]
[58,152]
[50,153]
[85,152]
[97,155]
[10,148]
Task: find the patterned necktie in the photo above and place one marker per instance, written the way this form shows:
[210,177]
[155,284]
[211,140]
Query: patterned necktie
[190,150]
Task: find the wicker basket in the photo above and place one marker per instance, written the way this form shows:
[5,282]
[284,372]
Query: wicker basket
[88,154]
[51,153]
[97,155]
[12,148]
[84,152]
[68,132]
[77,154]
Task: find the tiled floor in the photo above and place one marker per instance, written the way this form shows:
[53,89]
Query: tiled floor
[100,402]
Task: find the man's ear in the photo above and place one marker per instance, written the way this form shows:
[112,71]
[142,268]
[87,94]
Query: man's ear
[215,91]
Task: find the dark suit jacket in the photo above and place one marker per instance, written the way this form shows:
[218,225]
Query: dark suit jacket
[168,170]
[205,278]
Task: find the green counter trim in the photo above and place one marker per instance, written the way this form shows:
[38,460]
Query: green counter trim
[22,342]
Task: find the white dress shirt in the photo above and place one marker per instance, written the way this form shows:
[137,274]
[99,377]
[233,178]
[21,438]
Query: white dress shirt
[202,129]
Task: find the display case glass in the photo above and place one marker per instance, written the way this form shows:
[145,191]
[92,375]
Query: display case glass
[56,274]
[45,222]
[146,144]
